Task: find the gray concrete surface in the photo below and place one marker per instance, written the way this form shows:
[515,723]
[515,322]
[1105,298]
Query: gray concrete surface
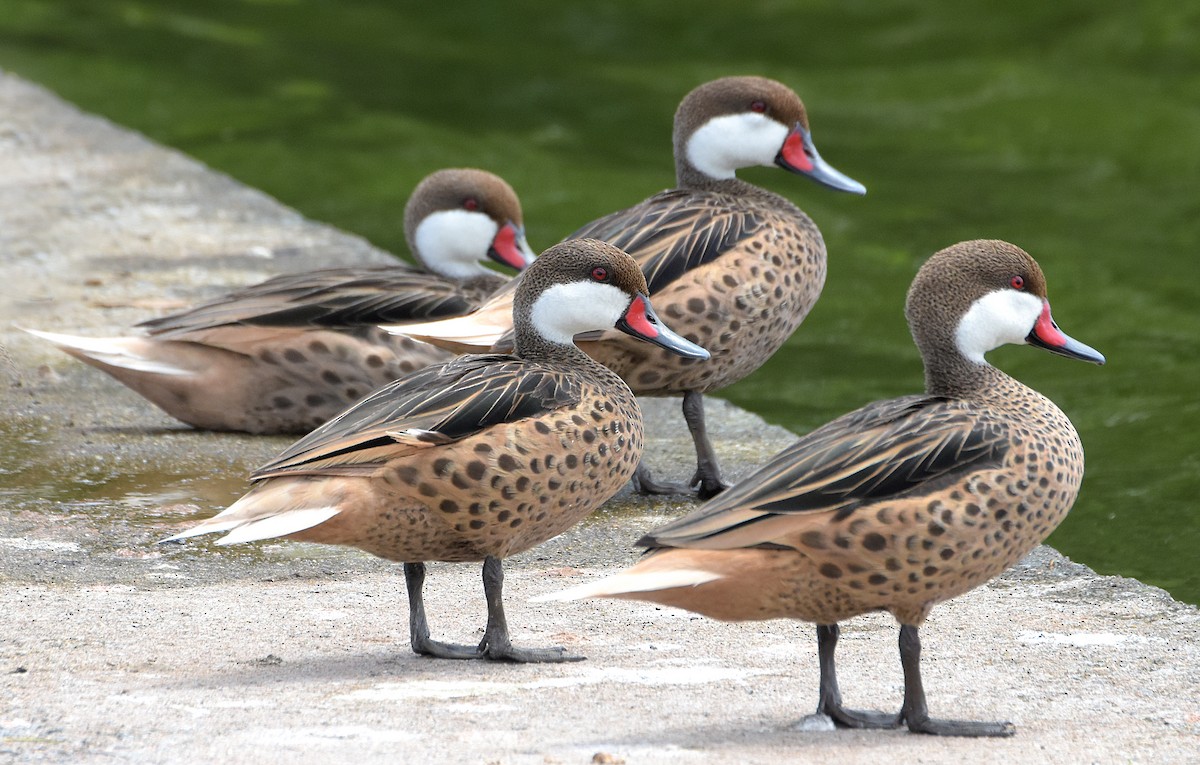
[113,650]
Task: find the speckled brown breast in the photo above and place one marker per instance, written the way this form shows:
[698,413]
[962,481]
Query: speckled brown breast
[741,307]
[904,555]
[497,493]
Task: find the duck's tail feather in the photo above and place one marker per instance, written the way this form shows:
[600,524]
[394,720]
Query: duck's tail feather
[130,353]
[242,526]
[633,581]
[476,332]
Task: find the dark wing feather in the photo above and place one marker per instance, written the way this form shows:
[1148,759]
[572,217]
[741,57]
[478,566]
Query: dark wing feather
[437,405]
[886,449]
[674,231]
[330,298]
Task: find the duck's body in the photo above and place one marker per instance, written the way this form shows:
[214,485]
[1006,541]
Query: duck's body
[478,458]
[485,455]
[735,266]
[896,506]
[285,355]
[899,505]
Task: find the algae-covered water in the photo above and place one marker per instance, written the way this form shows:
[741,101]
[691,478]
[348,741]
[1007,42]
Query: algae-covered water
[1069,128]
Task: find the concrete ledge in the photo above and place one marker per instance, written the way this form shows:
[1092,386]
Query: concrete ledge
[112,650]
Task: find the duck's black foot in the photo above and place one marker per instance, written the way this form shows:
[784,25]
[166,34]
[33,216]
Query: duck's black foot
[644,483]
[500,648]
[707,485]
[830,703]
[707,481]
[962,728]
[418,627]
[424,646]
[859,718]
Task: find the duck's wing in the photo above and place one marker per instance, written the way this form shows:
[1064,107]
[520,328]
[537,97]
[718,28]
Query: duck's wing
[675,231]
[437,405]
[900,447]
[329,298]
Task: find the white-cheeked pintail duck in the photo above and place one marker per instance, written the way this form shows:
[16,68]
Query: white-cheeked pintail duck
[734,266]
[477,458]
[899,505]
[286,355]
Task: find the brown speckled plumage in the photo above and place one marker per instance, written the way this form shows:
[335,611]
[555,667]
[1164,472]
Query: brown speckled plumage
[736,267]
[901,504]
[477,458]
[285,355]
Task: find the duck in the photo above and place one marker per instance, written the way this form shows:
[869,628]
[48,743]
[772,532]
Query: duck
[736,267]
[285,355]
[899,505]
[480,457]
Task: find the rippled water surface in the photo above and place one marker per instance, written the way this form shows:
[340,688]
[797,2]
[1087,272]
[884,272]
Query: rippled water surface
[1069,128]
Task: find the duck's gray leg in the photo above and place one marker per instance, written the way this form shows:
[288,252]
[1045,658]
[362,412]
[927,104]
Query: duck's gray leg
[496,643]
[706,482]
[915,711]
[418,626]
[831,696]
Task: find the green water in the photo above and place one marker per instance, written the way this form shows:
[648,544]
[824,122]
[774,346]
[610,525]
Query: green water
[1070,128]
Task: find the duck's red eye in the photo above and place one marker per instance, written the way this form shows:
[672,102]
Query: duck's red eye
[470,203]
[758,106]
[1017,282]
[600,274]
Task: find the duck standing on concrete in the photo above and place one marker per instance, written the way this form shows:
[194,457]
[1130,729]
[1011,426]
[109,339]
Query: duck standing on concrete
[899,505]
[285,355]
[734,266]
[477,458]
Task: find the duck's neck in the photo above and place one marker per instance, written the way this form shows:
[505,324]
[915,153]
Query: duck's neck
[688,177]
[533,347]
[955,376]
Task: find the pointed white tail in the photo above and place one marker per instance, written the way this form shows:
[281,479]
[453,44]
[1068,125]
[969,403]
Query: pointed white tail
[114,351]
[624,583]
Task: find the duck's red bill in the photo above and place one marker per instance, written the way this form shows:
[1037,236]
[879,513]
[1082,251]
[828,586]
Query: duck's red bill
[641,321]
[509,247]
[1046,334]
[799,155]
[793,152]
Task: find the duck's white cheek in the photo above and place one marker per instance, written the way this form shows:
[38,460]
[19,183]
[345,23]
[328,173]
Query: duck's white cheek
[997,318]
[565,310]
[725,144]
[455,243]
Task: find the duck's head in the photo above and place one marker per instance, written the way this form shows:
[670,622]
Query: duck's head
[737,122]
[975,296]
[584,285]
[457,219]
